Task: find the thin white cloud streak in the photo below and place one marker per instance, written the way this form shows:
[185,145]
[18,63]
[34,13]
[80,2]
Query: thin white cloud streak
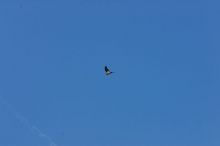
[32,128]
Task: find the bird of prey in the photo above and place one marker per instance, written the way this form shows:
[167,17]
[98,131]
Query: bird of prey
[107,71]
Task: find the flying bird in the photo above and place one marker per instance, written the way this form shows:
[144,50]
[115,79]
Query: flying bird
[107,71]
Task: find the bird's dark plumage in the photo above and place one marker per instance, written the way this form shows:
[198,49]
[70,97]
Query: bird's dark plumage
[107,71]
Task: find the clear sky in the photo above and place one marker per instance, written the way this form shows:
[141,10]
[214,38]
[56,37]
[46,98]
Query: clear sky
[165,91]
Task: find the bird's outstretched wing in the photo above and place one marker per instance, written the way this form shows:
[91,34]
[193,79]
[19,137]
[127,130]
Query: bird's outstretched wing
[106,69]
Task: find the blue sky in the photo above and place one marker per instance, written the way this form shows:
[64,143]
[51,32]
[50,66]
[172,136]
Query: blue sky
[165,91]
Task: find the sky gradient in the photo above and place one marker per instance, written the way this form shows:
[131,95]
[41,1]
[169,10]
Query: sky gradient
[165,90]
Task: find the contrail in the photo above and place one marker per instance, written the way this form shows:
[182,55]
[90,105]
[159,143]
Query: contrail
[34,129]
